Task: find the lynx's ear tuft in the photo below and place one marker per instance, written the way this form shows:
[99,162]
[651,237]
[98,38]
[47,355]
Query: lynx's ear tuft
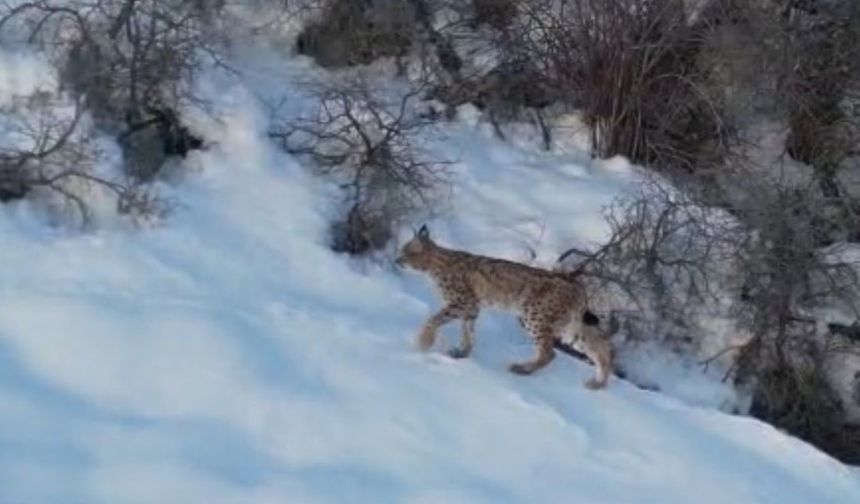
[423,233]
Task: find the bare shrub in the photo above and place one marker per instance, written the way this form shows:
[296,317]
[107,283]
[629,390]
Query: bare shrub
[790,374]
[368,144]
[357,32]
[486,68]
[820,78]
[790,282]
[132,61]
[154,136]
[511,91]
[663,266]
[796,393]
[793,62]
[498,14]
[47,150]
[764,260]
[631,67]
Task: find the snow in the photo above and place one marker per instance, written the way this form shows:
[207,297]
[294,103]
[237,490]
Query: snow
[229,357]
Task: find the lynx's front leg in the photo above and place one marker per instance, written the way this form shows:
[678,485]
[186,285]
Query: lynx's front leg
[467,338]
[450,312]
[428,333]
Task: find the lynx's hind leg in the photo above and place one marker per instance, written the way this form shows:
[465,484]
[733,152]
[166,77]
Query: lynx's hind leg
[590,340]
[545,353]
[542,321]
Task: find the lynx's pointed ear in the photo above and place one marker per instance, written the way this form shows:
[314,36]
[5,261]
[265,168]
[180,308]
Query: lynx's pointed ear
[424,233]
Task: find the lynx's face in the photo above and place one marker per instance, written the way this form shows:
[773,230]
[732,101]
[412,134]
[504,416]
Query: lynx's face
[416,252]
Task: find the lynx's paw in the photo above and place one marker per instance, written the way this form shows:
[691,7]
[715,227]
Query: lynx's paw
[425,341]
[595,384]
[520,369]
[458,353]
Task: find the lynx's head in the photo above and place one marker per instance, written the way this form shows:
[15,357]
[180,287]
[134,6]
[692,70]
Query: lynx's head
[417,252]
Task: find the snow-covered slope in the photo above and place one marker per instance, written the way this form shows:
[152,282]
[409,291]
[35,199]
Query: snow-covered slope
[229,357]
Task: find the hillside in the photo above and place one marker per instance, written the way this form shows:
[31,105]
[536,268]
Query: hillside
[227,356]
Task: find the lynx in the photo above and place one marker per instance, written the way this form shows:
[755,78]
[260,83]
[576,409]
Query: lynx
[550,304]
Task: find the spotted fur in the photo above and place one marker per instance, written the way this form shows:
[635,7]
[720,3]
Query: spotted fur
[551,305]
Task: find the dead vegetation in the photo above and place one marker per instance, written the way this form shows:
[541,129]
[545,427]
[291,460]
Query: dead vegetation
[131,62]
[357,32]
[368,144]
[130,65]
[672,262]
[661,265]
[48,151]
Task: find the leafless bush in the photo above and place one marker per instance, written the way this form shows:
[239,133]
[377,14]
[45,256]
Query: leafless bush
[132,61]
[794,62]
[477,66]
[369,145]
[47,150]
[663,266]
[794,269]
[437,47]
[760,261]
[787,367]
[631,67]
[820,83]
[498,14]
[356,32]
[798,396]
[788,274]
